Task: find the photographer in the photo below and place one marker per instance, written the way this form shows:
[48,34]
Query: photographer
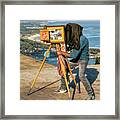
[81,56]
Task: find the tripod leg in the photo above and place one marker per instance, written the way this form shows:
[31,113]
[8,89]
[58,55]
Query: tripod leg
[63,69]
[64,73]
[34,80]
[71,73]
[79,87]
[73,93]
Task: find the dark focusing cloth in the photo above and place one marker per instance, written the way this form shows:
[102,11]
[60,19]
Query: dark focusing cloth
[73,32]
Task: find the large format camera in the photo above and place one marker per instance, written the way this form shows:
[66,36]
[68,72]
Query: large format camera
[68,34]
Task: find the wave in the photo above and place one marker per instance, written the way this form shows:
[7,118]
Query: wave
[93,36]
[96,47]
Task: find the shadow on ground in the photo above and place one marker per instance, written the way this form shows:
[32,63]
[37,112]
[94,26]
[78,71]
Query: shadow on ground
[91,74]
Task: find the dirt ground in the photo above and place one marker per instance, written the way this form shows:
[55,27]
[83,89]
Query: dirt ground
[49,80]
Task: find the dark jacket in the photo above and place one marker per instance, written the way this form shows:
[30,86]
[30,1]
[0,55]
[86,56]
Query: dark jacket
[83,52]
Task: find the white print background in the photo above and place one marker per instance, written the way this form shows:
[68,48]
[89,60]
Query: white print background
[13,15]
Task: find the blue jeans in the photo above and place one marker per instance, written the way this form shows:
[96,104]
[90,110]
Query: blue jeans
[82,68]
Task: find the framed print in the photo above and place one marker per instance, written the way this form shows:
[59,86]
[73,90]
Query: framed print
[58,35]
[61,62]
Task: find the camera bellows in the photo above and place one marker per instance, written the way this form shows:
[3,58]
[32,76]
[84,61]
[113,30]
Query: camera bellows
[73,32]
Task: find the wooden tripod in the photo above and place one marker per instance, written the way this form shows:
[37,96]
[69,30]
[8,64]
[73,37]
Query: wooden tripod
[62,69]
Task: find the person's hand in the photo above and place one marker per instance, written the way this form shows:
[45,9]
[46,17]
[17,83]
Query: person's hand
[66,54]
[63,53]
[59,52]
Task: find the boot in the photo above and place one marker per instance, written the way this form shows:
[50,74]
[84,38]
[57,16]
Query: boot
[63,88]
[91,96]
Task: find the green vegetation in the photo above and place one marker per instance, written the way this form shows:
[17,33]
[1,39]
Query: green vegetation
[94,51]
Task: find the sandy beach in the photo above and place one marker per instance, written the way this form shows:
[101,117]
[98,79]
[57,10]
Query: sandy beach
[49,80]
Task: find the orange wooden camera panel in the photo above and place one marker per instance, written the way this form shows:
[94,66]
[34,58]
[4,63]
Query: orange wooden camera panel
[44,35]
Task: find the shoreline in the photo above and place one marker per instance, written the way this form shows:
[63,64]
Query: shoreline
[31,47]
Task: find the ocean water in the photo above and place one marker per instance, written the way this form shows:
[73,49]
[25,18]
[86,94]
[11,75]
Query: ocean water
[52,59]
